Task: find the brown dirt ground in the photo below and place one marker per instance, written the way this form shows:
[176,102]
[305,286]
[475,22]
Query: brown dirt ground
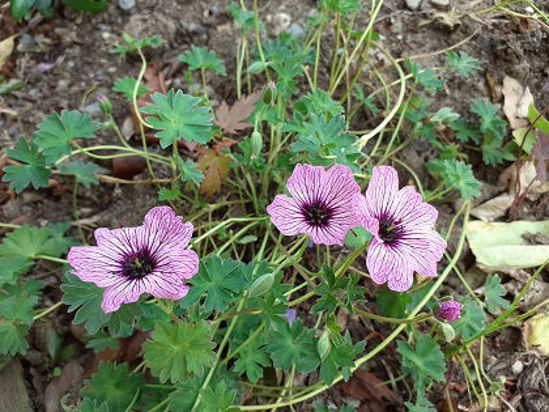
[504,45]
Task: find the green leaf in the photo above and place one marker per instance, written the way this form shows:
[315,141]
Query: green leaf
[465,131]
[179,117]
[357,237]
[293,345]
[369,101]
[326,143]
[168,195]
[340,358]
[113,384]
[425,77]
[422,405]
[90,6]
[176,352]
[55,134]
[200,58]
[133,44]
[182,399]
[20,8]
[490,122]
[251,359]
[34,172]
[12,268]
[471,320]
[424,362]
[220,280]
[244,18]
[340,6]
[83,171]
[462,63]
[85,298]
[445,115]
[457,175]
[217,398]
[189,171]
[393,304]
[319,102]
[494,293]
[17,316]
[29,241]
[102,342]
[126,85]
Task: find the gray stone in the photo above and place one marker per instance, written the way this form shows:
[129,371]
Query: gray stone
[126,4]
[441,3]
[13,393]
[296,30]
[413,4]
[92,109]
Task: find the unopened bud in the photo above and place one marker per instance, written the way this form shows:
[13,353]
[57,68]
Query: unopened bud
[324,345]
[447,331]
[105,104]
[262,285]
[257,143]
[269,93]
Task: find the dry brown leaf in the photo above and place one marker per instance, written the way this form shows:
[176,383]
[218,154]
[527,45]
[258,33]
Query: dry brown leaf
[6,47]
[516,102]
[215,168]
[365,385]
[233,119]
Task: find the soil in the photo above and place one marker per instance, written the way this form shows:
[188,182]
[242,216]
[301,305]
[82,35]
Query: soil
[79,43]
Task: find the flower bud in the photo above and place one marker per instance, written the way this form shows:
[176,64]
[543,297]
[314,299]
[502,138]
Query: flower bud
[291,315]
[105,104]
[262,285]
[447,331]
[269,93]
[257,143]
[449,310]
[324,345]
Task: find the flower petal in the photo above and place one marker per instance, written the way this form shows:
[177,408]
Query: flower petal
[166,285]
[183,263]
[286,215]
[412,211]
[305,183]
[339,188]
[124,291]
[162,226]
[381,195]
[93,264]
[423,249]
[371,224]
[386,264]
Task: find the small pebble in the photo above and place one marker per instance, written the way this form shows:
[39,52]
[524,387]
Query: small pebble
[296,30]
[126,4]
[413,4]
[517,367]
[92,109]
[529,10]
[440,3]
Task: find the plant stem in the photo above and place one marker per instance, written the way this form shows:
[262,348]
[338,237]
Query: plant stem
[46,311]
[218,355]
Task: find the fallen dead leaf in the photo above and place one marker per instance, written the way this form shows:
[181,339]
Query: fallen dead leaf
[233,119]
[365,385]
[501,246]
[517,98]
[536,333]
[493,208]
[6,47]
[70,380]
[215,168]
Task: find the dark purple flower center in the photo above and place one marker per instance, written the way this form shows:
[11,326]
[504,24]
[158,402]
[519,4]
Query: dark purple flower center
[138,265]
[389,230]
[317,213]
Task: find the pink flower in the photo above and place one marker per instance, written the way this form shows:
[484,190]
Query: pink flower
[131,261]
[322,206]
[449,310]
[404,241]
